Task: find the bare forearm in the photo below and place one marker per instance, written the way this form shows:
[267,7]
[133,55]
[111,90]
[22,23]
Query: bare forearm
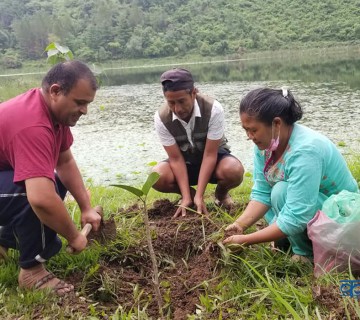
[253,212]
[178,167]
[270,233]
[53,214]
[70,176]
[49,208]
[207,168]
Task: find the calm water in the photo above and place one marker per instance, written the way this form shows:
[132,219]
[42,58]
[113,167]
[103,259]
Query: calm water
[116,141]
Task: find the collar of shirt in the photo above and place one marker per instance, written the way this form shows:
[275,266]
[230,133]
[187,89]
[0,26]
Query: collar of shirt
[189,127]
[196,113]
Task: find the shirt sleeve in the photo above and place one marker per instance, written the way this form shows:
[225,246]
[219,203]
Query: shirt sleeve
[261,190]
[216,122]
[32,154]
[67,139]
[165,137]
[304,172]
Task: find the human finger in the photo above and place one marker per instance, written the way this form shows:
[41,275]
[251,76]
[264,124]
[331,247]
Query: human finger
[177,212]
[205,211]
[228,240]
[78,244]
[231,227]
[183,212]
[235,239]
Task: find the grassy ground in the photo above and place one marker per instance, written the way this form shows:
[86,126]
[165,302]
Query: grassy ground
[253,284]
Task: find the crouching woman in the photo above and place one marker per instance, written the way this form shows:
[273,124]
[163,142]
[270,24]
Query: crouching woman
[295,170]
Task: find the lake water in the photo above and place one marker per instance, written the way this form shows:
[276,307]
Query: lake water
[116,142]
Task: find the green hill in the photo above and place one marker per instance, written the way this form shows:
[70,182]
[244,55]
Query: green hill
[115,29]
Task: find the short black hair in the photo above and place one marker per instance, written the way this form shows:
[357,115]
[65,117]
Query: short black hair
[265,104]
[67,74]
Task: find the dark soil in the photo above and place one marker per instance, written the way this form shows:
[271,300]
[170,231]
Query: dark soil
[187,262]
[329,297]
[107,232]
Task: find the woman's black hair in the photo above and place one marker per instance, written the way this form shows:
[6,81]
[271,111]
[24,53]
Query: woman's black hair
[67,74]
[265,104]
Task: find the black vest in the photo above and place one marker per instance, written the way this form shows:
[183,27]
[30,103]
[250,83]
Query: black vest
[192,154]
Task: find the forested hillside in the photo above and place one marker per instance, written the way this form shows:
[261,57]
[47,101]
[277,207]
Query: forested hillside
[113,29]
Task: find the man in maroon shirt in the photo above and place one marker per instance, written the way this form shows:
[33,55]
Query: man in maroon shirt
[35,141]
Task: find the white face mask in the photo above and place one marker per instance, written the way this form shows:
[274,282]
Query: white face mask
[274,144]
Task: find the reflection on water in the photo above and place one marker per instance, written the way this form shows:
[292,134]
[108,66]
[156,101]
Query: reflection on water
[116,140]
[317,69]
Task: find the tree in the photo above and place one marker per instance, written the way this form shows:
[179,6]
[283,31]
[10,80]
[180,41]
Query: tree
[57,53]
[32,34]
[5,40]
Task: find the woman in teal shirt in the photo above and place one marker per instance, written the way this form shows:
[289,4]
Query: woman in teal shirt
[295,170]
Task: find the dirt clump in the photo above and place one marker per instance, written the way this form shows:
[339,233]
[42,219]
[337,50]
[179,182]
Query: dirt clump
[106,232]
[187,265]
[229,233]
[162,208]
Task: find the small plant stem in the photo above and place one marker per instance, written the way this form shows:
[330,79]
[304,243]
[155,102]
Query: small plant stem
[154,262]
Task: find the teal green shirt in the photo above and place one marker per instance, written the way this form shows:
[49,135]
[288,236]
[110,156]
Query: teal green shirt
[313,168]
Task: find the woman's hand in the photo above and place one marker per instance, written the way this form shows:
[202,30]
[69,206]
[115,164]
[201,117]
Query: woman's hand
[236,239]
[235,227]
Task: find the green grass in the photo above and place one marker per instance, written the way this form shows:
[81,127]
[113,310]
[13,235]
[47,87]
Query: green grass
[253,284]
[353,161]
[10,87]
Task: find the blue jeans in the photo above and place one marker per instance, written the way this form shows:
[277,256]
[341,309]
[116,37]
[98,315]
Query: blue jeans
[20,228]
[300,243]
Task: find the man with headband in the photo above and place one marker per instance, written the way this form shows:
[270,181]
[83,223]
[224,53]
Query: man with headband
[190,127]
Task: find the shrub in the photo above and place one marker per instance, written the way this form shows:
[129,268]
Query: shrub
[11,62]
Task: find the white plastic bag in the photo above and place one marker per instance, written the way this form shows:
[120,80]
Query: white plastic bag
[335,234]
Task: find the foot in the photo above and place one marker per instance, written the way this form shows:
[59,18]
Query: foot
[39,278]
[302,259]
[3,253]
[282,245]
[223,200]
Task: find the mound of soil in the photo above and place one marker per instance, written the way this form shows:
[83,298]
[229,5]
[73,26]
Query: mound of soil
[187,262]
[107,232]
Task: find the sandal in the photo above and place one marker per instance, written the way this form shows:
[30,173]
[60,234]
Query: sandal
[59,288]
[47,281]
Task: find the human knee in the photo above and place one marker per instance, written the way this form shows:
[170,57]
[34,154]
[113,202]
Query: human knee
[239,172]
[278,195]
[166,177]
[158,185]
[231,171]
